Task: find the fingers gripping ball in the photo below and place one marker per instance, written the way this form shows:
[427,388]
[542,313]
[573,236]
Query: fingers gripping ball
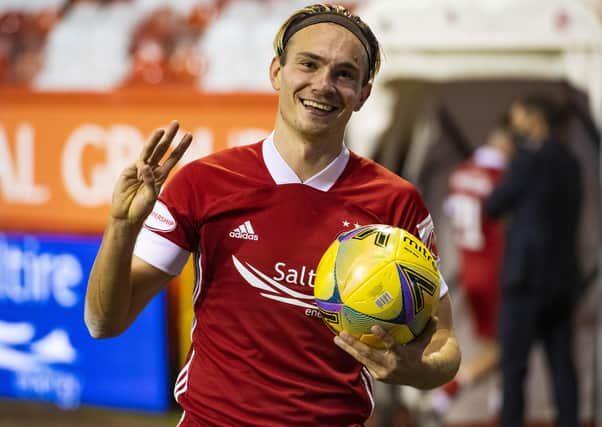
[377,275]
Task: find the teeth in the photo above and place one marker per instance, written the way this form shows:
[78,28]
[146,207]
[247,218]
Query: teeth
[318,105]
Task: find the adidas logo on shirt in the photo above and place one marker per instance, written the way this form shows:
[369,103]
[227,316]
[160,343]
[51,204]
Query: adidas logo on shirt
[244,231]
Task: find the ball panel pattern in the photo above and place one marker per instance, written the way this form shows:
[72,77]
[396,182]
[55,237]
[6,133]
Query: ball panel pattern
[361,252]
[327,290]
[377,275]
[379,294]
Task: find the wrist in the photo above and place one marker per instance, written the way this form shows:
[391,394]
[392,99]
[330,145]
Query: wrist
[124,227]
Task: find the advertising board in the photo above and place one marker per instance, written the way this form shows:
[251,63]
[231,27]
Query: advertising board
[46,352]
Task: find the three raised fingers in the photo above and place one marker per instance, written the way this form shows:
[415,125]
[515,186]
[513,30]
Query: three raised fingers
[161,147]
[159,143]
[149,147]
[176,154]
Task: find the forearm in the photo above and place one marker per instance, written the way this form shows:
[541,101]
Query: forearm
[120,286]
[440,358]
[441,361]
[109,292]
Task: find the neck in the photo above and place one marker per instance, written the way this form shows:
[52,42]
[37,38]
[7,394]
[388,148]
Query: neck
[306,155]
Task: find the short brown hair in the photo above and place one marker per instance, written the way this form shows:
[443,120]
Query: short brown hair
[365,35]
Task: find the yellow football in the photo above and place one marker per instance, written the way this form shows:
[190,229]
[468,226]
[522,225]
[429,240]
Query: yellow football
[377,275]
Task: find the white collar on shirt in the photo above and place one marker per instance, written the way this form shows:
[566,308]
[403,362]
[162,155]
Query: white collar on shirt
[283,174]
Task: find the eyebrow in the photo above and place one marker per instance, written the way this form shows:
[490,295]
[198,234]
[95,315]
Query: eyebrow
[315,57]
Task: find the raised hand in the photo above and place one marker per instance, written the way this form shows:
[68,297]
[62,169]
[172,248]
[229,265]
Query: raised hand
[139,184]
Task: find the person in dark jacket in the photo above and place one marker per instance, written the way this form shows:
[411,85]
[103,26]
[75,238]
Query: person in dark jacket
[541,197]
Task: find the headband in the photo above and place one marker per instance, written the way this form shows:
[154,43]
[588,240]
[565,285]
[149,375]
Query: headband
[334,18]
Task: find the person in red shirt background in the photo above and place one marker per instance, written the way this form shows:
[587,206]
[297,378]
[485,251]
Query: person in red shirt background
[479,241]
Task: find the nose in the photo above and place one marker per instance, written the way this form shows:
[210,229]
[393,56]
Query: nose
[324,82]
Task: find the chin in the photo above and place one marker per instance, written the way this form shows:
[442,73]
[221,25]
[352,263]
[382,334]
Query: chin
[314,131]
[319,127]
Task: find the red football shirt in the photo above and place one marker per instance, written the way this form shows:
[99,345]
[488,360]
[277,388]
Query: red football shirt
[478,238]
[261,355]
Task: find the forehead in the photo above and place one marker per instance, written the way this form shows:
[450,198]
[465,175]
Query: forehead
[330,41]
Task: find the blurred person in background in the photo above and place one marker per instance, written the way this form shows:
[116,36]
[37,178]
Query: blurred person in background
[257,219]
[541,193]
[23,36]
[479,242]
[164,49]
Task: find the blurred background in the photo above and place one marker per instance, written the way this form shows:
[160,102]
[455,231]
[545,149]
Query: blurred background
[84,82]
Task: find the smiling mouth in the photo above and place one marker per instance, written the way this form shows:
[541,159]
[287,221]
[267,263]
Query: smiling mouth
[318,106]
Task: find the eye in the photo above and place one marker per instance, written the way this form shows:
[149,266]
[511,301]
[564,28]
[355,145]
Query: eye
[347,75]
[309,65]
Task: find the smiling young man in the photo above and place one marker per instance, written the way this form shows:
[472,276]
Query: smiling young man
[257,220]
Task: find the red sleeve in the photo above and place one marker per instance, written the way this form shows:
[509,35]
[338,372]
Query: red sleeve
[415,218]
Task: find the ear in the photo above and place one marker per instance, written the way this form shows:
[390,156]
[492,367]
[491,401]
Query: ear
[365,93]
[275,68]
